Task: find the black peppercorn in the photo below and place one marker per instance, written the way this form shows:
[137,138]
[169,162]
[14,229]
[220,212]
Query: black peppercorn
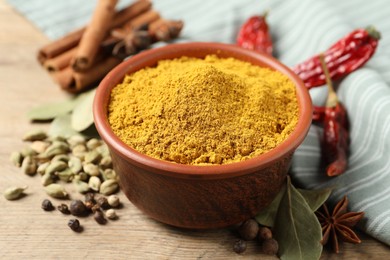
[103,203]
[90,197]
[77,208]
[46,205]
[270,247]
[239,246]
[63,208]
[95,208]
[89,205]
[90,200]
[264,234]
[99,217]
[74,224]
[248,230]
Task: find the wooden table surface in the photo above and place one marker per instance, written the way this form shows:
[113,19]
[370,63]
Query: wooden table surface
[27,232]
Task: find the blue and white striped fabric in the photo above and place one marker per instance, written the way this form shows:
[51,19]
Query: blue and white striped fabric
[300,29]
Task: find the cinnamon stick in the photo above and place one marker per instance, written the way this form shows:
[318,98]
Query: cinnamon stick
[94,34]
[165,30]
[142,20]
[83,79]
[64,78]
[75,82]
[72,39]
[59,46]
[130,12]
[61,61]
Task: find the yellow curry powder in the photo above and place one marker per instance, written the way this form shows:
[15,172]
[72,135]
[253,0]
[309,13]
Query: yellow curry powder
[203,111]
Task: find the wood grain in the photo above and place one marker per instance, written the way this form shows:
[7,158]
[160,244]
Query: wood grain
[27,232]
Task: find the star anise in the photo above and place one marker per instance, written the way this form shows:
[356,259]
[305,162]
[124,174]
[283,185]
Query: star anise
[129,41]
[338,225]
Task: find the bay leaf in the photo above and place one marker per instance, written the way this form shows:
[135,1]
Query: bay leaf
[266,217]
[315,198]
[61,126]
[51,110]
[90,132]
[297,228]
[82,116]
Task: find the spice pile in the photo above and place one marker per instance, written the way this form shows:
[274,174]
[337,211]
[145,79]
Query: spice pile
[85,56]
[203,111]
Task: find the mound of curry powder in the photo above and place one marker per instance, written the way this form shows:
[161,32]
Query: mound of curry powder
[203,111]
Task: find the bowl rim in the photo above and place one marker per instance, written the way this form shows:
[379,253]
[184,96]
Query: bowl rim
[117,74]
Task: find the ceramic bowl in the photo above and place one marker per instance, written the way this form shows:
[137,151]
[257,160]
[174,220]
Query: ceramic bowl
[199,197]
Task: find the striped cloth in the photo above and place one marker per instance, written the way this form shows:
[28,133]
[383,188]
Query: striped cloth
[300,29]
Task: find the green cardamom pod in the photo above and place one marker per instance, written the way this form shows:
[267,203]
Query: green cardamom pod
[91,169]
[52,152]
[42,157]
[58,138]
[76,140]
[56,191]
[29,165]
[28,151]
[109,174]
[103,150]
[61,157]
[79,148]
[55,167]
[14,193]
[39,146]
[42,168]
[57,147]
[109,187]
[106,162]
[83,176]
[47,179]
[93,143]
[16,158]
[92,157]
[79,151]
[35,135]
[65,175]
[75,165]
[94,183]
[81,186]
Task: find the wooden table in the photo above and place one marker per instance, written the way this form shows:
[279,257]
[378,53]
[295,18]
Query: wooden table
[27,232]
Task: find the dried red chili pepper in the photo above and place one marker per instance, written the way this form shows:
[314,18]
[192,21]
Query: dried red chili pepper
[254,34]
[343,57]
[336,137]
[318,114]
[335,140]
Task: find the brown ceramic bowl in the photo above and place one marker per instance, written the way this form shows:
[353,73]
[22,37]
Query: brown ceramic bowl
[199,196]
